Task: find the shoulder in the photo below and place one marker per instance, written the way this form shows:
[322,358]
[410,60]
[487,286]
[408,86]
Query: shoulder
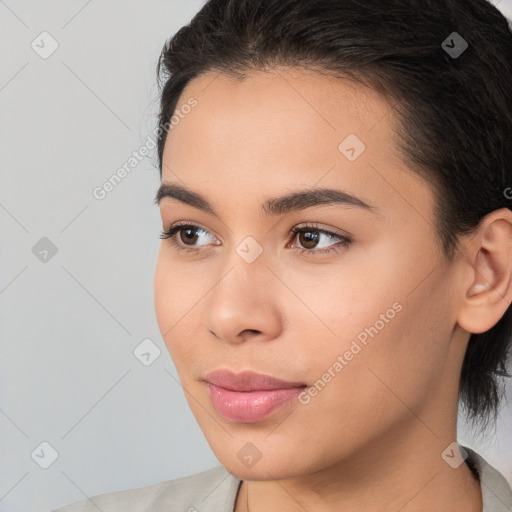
[496,491]
[211,490]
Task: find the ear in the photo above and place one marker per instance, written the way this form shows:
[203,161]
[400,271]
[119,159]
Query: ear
[488,269]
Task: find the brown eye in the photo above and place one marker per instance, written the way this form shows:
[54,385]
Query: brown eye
[308,239]
[188,235]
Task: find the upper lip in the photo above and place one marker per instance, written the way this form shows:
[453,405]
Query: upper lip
[248,381]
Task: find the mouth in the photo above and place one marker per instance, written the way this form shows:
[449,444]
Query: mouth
[249,397]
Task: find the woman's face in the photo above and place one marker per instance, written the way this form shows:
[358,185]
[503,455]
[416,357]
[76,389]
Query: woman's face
[366,326]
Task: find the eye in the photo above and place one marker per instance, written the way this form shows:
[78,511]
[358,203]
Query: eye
[187,233]
[309,237]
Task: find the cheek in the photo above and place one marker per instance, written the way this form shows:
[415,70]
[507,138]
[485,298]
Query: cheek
[161,295]
[174,299]
[383,335]
[345,306]
[175,289]
[399,362]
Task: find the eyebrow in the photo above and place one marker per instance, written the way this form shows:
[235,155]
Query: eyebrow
[294,201]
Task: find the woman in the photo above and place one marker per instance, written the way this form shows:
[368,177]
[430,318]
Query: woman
[334,276]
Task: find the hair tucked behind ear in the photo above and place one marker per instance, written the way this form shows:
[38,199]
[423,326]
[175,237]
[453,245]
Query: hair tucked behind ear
[455,112]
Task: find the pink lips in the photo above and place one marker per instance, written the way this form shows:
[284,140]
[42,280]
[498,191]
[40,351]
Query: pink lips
[249,397]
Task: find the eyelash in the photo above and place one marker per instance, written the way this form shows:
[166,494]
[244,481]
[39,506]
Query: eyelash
[342,244]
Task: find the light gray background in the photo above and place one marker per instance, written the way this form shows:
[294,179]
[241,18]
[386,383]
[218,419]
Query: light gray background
[69,325]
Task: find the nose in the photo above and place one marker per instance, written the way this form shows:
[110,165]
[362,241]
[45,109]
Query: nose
[244,302]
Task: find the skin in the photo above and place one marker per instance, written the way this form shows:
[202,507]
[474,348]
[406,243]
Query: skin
[372,438]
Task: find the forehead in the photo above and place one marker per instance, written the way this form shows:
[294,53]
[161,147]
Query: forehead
[305,101]
[289,128]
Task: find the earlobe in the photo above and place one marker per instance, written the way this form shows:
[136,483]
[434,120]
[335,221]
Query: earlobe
[489,295]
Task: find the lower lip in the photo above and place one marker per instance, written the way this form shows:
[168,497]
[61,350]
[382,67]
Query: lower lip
[249,406]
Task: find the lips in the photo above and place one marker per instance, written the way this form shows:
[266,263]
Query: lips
[249,397]
[248,381]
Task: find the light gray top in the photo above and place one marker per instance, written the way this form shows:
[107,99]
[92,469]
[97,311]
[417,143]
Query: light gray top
[215,490]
